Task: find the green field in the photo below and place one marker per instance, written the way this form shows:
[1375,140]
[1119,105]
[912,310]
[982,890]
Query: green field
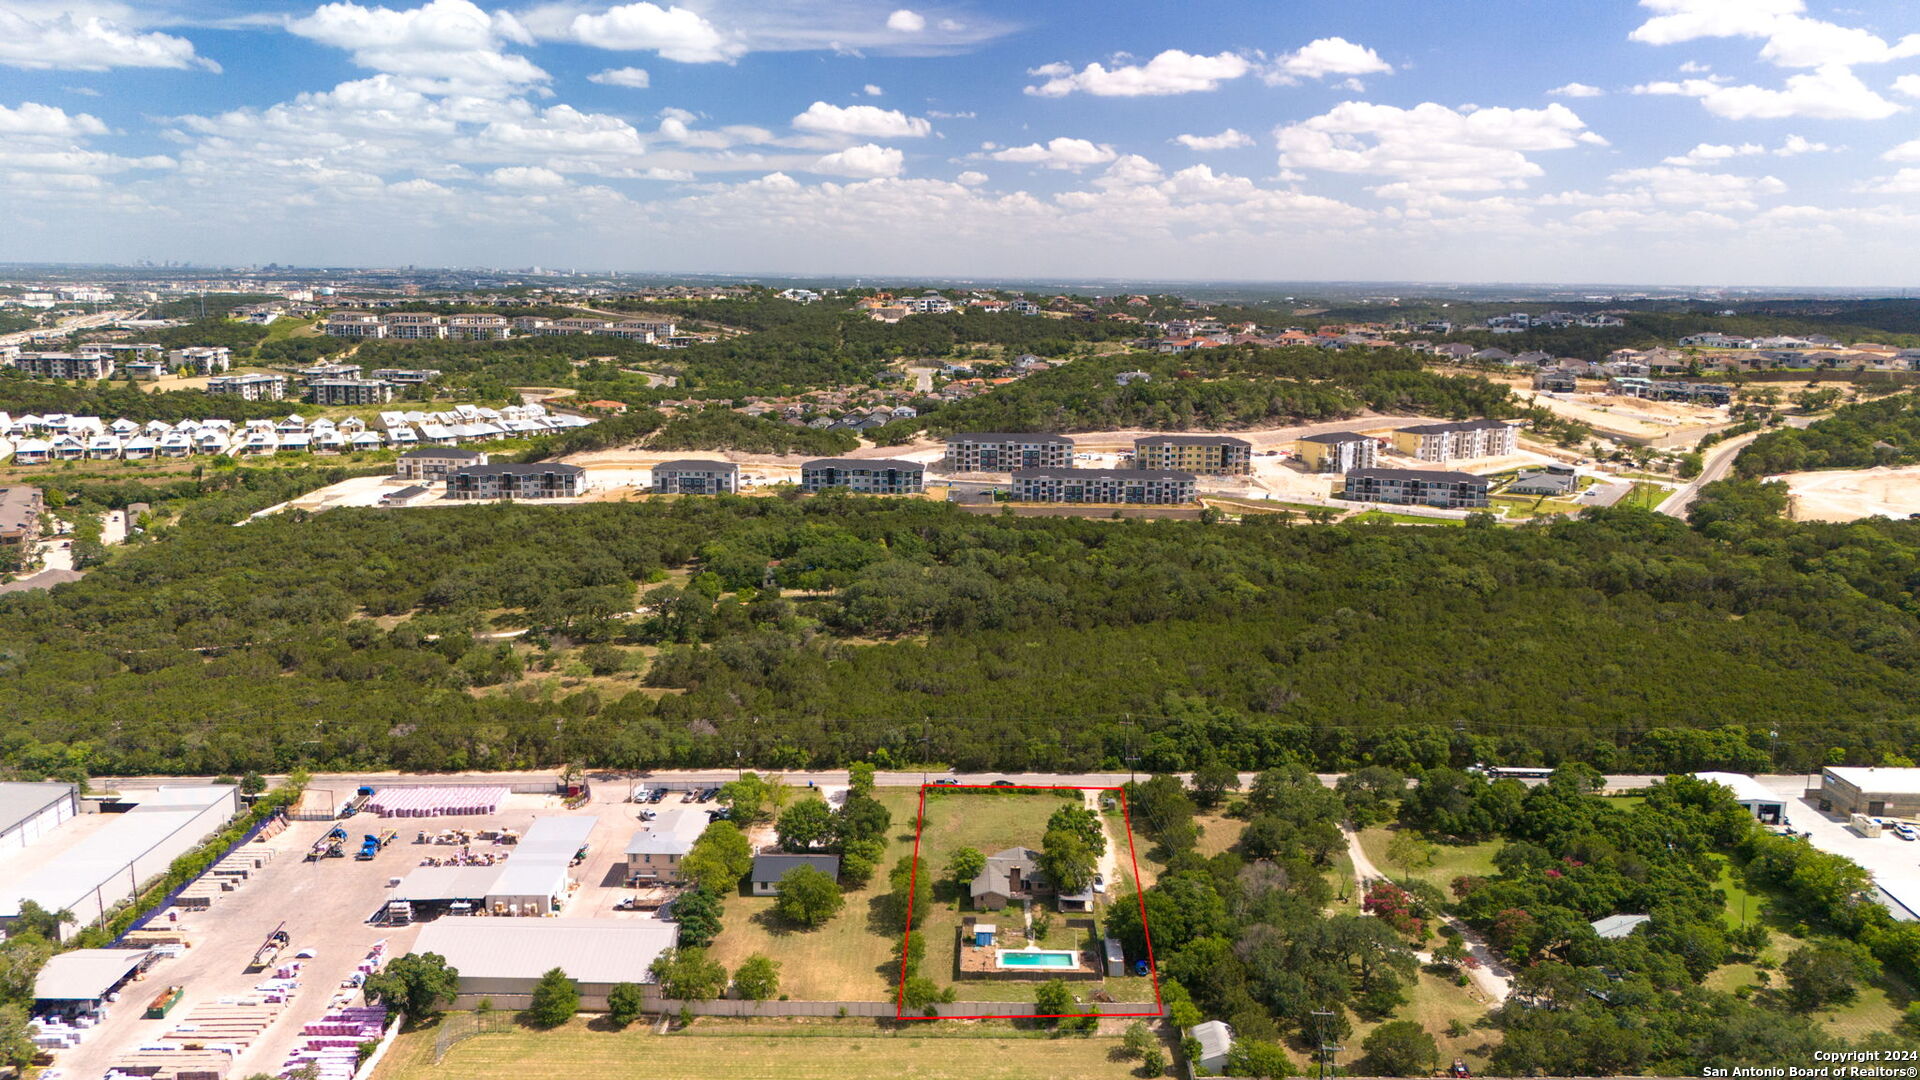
[1434,1002]
[850,958]
[1451,860]
[762,1050]
[1384,517]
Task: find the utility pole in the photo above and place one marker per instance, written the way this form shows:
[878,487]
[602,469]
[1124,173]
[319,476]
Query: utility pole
[1326,1068]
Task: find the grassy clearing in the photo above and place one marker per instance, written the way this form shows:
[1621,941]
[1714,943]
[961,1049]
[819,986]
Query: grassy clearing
[1386,518]
[763,1050]
[1435,1003]
[850,958]
[1452,860]
[1218,832]
[1646,496]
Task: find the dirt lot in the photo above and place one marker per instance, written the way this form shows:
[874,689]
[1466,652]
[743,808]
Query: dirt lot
[1851,494]
[1633,419]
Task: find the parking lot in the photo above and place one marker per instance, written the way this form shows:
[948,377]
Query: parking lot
[329,906]
[1893,862]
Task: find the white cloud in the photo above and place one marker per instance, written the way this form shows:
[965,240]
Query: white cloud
[971,178]
[1226,140]
[87,41]
[906,22]
[32,120]
[1706,152]
[1828,93]
[1171,72]
[866,160]
[1792,39]
[1800,144]
[1576,90]
[443,47]
[1694,67]
[1431,147]
[1322,57]
[526,177]
[871,90]
[674,32]
[1060,153]
[631,77]
[1673,185]
[1904,182]
[860,121]
[1906,151]
[1908,85]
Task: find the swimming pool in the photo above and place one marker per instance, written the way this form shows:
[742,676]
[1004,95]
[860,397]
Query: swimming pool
[1038,958]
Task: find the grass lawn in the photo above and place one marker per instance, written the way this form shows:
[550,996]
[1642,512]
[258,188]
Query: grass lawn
[763,1050]
[1646,496]
[1434,1002]
[850,958]
[1452,860]
[1386,518]
[1218,832]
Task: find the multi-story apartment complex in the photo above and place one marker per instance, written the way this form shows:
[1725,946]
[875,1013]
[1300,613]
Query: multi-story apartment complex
[478,327]
[407,376]
[1150,487]
[543,480]
[930,304]
[997,451]
[60,365]
[1448,442]
[310,375]
[349,392]
[1214,455]
[864,476]
[249,387]
[1337,451]
[201,359]
[647,330]
[559,327]
[693,476]
[1416,487]
[353,325]
[436,462]
[414,326]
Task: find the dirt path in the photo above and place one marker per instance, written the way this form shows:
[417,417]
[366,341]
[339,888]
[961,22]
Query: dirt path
[1110,858]
[1491,976]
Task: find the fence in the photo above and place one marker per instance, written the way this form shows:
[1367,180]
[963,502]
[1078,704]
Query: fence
[501,1018]
[140,921]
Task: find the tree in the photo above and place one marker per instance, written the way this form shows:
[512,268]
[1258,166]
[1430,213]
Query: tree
[862,818]
[38,921]
[749,797]
[1136,1040]
[418,984]
[1410,851]
[719,858]
[965,865]
[1068,861]
[555,1000]
[16,1037]
[1827,973]
[686,974]
[1053,999]
[252,784]
[805,825]
[1153,1062]
[698,913]
[1212,781]
[920,994]
[1399,1048]
[860,779]
[807,897]
[757,978]
[625,1002]
[1260,1059]
[21,957]
[1083,823]
[909,894]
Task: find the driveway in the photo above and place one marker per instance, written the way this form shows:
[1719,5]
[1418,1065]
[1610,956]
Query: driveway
[1490,975]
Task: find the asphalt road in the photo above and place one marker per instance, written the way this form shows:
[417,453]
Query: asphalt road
[1719,462]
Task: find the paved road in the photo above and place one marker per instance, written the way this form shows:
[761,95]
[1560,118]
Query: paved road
[78,322]
[1719,462]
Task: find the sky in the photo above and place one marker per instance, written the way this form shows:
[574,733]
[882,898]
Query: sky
[1696,142]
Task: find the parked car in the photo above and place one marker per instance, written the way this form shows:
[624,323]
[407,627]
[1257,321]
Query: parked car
[1905,832]
[1099,883]
[708,794]
[1003,783]
[688,797]
[658,794]
[946,781]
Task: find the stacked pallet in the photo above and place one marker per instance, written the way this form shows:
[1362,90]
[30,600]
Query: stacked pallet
[274,827]
[224,877]
[162,1063]
[419,802]
[331,1044]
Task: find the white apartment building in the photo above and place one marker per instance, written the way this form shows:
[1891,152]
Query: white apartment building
[478,327]
[414,326]
[201,359]
[1448,442]
[353,325]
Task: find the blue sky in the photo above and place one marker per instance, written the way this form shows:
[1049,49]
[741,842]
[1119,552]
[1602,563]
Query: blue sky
[1708,142]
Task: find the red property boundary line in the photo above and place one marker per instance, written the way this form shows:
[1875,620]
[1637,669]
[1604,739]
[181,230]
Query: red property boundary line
[913,877]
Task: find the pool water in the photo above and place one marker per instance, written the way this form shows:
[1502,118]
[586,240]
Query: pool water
[1037,958]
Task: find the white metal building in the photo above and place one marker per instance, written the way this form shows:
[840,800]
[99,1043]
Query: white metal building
[1766,806]
[503,958]
[85,976]
[29,812]
[534,880]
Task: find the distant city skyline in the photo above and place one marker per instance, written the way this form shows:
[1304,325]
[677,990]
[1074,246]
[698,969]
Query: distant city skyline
[1766,143]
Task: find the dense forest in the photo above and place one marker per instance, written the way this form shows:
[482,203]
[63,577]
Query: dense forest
[909,631]
[1858,436]
[720,428]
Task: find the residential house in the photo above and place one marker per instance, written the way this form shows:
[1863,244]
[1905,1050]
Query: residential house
[693,476]
[769,869]
[1559,382]
[1126,377]
[1010,875]
[1215,455]
[1337,451]
[1145,487]
[20,510]
[1415,487]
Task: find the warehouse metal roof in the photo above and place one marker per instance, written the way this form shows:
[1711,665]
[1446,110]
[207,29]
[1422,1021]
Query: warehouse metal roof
[588,950]
[672,834]
[18,802]
[432,884]
[85,974]
[104,855]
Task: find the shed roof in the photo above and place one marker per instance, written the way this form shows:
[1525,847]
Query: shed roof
[1888,781]
[1214,1036]
[18,802]
[1618,926]
[672,833]
[588,950]
[85,974]
[1745,788]
[775,867]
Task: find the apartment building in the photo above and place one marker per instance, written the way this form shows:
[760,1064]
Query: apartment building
[560,327]
[146,370]
[996,451]
[1337,451]
[654,853]
[1146,487]
[249,387]
[542,480]
[201,359]
[414,326]
[478,327]
[647,330]
[1416,487]
[864,476]
[310,375]
[930,304]
[436,462]
[1211,455]
[1659,390]
[696,477]
[60,365]
[407,376]
[1449,442]
[353,325]
[349,392]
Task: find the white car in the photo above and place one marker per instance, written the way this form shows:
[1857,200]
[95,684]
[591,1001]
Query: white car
[1905,832]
